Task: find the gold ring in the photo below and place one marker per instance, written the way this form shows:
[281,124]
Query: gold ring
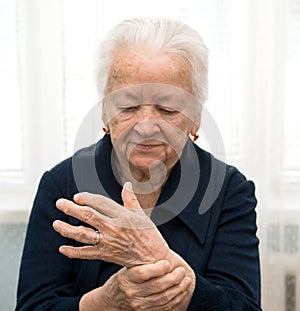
[97,239]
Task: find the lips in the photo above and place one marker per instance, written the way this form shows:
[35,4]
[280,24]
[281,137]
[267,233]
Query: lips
[148,145]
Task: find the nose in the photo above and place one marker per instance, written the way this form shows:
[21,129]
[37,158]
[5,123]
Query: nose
[147,122]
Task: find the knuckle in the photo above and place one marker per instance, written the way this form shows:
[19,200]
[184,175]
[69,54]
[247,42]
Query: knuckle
[175,302]
[179,298]
[87,215]
[169,307]
[66,207]
[129,293]
[140,272]
[123,283]
[165,297]
[81,232]
[135,304]
[79,253]
[158,284]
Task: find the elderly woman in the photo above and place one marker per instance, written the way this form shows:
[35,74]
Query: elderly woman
[144,219]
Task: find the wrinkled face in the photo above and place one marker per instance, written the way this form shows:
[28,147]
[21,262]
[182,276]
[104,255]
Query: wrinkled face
[149,108]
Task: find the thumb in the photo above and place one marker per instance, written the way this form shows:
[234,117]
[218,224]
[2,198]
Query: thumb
[129,198]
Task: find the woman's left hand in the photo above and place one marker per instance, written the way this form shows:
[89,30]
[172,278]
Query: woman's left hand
[146,287]
[126,235]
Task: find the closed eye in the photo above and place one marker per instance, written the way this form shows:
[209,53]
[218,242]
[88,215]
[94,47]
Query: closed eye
[128,108]
[166,110]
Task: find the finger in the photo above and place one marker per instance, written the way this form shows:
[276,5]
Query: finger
[166,293]
[165,300]
[129,198]
[175,303]
[80,233]
[83,213]
[79,198]
[83,252]
[98,202]
[140,274]
[160,284]
[93,253]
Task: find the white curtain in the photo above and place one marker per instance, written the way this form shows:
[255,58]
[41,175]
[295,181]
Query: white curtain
[47,87]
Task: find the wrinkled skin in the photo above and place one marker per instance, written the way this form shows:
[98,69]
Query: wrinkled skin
[147,287]
[127,236]
[153,277]
[144,135]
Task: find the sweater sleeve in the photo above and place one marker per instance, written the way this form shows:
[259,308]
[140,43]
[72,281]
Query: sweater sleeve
[46,279]
[232,278]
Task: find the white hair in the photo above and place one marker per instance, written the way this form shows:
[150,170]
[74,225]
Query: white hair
[169,36]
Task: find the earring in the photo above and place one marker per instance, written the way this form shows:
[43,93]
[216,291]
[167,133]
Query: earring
[106,130]
[193,137]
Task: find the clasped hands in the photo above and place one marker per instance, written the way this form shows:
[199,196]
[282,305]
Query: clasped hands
[153,277]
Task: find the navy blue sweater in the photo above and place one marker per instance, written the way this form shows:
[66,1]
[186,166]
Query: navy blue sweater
[206,213]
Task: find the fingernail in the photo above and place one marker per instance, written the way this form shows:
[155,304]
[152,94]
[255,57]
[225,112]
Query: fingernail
[128,186]
[59,202]
[181,271]
[76,196]
[187,281]
[55,224]
[61,249]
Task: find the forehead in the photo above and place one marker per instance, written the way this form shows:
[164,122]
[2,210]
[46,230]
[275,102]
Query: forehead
[140,66]
[154,93]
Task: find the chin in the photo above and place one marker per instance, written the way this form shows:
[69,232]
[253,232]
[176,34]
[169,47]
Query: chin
[144,164]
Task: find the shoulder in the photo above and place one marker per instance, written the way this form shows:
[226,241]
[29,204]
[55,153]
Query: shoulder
[63,175]
[223,183]
[65,166]
[210,165]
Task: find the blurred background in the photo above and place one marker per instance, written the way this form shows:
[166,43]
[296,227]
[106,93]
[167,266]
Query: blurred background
[47,50]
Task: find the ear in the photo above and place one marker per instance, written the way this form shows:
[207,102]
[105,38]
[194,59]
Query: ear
[196,123]
[195,129]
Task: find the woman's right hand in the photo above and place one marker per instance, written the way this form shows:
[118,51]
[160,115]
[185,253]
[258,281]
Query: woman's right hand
[145,287]
[127,236]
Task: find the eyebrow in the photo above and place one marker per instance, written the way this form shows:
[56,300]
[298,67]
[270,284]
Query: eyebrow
[163,97]
[132,96]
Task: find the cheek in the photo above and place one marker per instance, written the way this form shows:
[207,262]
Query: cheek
[176,135]
[179,127]
[118,128]
[120,133]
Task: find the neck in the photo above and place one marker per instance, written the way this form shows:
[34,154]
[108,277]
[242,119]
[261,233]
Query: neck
[143,180]
[147,183]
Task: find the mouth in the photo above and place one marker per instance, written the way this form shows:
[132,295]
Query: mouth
[148,145]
